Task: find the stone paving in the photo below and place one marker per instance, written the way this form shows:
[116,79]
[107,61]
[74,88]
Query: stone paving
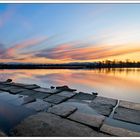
[62,111]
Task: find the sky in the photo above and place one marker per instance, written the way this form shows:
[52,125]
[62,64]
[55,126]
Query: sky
[61,33]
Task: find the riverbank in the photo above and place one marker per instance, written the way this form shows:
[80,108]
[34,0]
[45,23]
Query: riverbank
[61,111]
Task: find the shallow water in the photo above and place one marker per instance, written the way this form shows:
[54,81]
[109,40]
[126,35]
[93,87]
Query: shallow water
[117,83]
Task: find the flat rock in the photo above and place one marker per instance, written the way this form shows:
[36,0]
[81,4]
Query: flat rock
[119,128]
[15,90]
[28,92]
[103,105]
[23,100]
[128,115]
[29,99]
[48,90]
[130,105]
[34,86]
[84,96]
[55,99]
[87,119]
[39,105]
[68,94]
[28,86]
[40,95]
[62,110]
[50,125]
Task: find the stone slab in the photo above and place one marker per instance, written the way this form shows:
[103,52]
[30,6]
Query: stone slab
[105,100]
[62,110]
[34,86]
[50,125]
[55,99]
[87,119]
[15,90]
[28,92]
[119,128]
[39,105]
[103,105]
[48,90]
[84,96]
[130,105]
[40,95]
[128,115]
[68,94]
[23,100]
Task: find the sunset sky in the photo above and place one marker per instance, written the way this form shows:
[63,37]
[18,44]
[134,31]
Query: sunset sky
[60,33]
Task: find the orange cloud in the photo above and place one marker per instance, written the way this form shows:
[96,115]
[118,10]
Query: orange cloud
[95,52]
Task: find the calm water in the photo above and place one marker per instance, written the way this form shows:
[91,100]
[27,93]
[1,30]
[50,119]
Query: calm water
[116,83]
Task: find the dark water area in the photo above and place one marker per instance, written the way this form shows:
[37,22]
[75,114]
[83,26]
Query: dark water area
[119,83]
[11,115]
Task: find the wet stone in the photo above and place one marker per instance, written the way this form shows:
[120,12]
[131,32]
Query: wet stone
[40,95]
[87,119]
[28,92]
[15,90]
[34,86]
[47,90]
[50,125]
[55,99]
[120,128]
[130,105]
[103,105]
[84,96]
[128,115]
[27,100]
[62,110]
[68,94]
[38,105]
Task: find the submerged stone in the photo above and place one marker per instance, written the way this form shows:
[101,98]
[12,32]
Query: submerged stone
[68,94]
[48,90]
[65,88]
[84,96]
[130,105]
[38,105]
[87,119]
[62,110]
[128,115]
[120,128]
[103,105]
[55,99]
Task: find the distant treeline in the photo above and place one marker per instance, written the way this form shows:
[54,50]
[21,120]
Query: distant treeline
[91,65]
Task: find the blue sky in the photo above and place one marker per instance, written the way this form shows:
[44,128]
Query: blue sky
[80,26]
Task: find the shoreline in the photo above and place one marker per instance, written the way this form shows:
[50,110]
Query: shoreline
[61,111]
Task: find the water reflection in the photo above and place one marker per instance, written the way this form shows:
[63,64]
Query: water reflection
[116,83]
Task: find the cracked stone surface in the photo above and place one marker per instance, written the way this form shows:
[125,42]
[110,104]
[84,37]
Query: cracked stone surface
[129,115]
[84,96]
[55,99]
[48,90]
[62,110]
[68,94]
[120,128]
[39,105]
[46,124]
[103,105]
[87,119]
[130,105]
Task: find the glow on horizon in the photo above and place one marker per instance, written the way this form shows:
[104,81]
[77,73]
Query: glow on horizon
[61,33]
